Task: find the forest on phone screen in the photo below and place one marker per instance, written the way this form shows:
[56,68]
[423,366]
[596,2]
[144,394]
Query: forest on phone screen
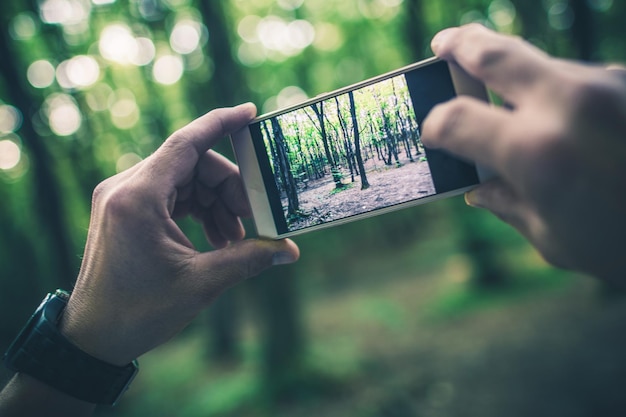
[348,154]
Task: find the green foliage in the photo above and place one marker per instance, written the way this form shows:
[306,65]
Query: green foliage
[344,187]
[87,94]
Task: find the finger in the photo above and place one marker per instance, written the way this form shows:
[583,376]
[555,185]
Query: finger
[219,270]
[174,163]
[212,231]
[503,201]
[217,172]
[228,224]
[205,196]
[214,168]
[512,68]
[620,68]
[469,129]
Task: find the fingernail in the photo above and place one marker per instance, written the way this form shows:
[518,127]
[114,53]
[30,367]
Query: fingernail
[251,107]
[471,199]
[282,258]
[439,38]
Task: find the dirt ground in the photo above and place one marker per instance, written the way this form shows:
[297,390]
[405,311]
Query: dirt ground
[556,354]
[388,186]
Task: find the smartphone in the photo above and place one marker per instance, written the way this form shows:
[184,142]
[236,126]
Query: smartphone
[354,152]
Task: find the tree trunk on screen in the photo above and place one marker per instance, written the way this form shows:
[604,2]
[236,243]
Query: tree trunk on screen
[319,112]
[346,140]
[289,183]
[357,143]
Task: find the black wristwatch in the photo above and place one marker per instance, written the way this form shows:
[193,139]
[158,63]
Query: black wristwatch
[42,352]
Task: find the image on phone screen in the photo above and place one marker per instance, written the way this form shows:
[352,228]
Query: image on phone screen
[357,151]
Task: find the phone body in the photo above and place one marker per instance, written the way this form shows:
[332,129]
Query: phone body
[354,152]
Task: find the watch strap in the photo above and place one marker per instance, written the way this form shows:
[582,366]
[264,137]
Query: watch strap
[45,354]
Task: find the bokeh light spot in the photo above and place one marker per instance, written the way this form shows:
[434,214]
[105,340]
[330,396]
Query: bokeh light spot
[10,119]
[128,160]
[118,44]
[301,33]
[560,16]
[473,16]
[328,37]
[40,73]
[23,27]
[168,69]
[502,13]
[290,4]
[82,71]
[97,98]
[63,115]
[176,4]
[251,55]
[144,53]
[123,108]
[185,36]
[10,154]
[64,12]
[289,96]
[601,5]
[247,28]
[289,39]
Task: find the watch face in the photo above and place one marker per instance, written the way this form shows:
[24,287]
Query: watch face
[9,355]
[42,352]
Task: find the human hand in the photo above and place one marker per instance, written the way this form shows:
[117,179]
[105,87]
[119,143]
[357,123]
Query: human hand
[560,152]
[141,279]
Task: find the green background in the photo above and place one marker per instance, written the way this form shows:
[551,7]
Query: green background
[431,311]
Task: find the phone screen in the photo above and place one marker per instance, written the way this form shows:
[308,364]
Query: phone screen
[357,152]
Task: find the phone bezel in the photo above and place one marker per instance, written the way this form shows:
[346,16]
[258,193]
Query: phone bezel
[246,153]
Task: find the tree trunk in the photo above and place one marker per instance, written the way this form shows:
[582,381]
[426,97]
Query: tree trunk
[287,176]
[282,334]
[582,31]
[319,112]
[357,143]
[53,227]
[346,140]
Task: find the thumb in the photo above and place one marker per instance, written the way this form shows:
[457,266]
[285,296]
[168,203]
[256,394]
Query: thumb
[221,269]
[502,200]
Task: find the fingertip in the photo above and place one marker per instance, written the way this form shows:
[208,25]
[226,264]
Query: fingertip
[432,120]
[249,108]
[440,39]
[473,199]
[290,253]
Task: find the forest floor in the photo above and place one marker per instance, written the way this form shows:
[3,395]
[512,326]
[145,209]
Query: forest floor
[321,202]
[404,333]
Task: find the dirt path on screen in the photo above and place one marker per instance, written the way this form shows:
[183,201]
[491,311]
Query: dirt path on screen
[319,202]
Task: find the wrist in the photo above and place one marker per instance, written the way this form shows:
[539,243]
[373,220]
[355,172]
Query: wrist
[92,337]
[27,396]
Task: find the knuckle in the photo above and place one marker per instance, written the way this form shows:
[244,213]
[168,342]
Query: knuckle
[120,202]
[99,191]
[487,56]
[597,92]
[554,163]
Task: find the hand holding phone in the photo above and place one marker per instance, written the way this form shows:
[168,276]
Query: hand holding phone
[353,153]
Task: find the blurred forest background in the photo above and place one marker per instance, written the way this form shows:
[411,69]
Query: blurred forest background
[431,311]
